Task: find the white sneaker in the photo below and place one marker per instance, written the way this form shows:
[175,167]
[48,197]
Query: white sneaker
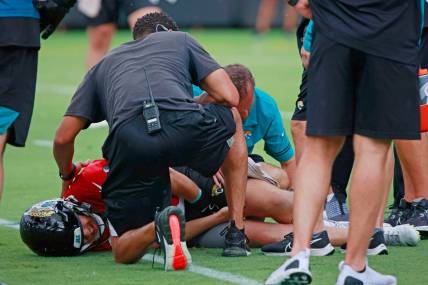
[348,276]
[401,235]
[294,271]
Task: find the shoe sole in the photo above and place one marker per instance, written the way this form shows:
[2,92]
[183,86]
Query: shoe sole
[423,231]
[177,256]
[235,252]
[325,251]
[298,278]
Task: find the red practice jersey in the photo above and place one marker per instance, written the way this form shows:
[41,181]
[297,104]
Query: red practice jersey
[86,188]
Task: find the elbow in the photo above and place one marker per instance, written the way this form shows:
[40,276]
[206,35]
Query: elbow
[233,98]
[62,138]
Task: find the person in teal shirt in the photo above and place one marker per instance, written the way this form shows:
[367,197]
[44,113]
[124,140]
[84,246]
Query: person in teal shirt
[262,120]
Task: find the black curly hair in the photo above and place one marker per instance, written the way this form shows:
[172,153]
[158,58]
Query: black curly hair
[153,22]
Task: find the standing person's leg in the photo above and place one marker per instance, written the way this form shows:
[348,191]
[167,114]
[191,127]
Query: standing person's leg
[235,170]
[290,18]
[312,185]
[366,196]
[100,31]
[265,15]
[99,38]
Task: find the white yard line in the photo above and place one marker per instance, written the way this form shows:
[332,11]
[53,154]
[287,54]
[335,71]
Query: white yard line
[43,143]
[201,270]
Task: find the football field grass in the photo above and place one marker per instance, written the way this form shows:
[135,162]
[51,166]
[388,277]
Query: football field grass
[32,175]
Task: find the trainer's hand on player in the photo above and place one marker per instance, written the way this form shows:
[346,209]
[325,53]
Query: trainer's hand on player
[79,166]
[305,57]
[219,179]
[304,9]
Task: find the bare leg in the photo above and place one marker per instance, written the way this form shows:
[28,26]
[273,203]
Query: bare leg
[265,15]
[130,247]
[182,186]
[312,183]
[389,166]
[99,42]
[234,168]
[133,17]
[291,17]
[261,233]
[3,139]
[298,129]
[278,174]
[265,200]
[414,162]
[367,184]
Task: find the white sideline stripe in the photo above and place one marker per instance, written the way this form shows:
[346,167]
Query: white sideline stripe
[9,224]
[211,273]
[60,89]
[205,271]
[43,143]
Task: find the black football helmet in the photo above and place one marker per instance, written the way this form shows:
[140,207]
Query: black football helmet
[53,228]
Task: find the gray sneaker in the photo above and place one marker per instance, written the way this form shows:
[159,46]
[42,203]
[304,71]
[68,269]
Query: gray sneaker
[334,210]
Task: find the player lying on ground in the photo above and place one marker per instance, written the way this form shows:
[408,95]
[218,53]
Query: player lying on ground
[205,205]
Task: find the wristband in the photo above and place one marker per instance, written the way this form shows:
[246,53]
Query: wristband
[69,176]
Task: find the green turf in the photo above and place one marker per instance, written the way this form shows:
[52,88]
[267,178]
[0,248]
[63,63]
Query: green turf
[31,173]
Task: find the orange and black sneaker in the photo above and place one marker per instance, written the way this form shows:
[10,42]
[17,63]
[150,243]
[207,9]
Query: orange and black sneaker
[169,227]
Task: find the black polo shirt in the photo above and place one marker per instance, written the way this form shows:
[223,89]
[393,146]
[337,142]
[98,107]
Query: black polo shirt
[385,28]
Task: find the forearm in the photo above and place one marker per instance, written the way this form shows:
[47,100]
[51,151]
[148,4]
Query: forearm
[220,88]
[182,186]
[204,99]
[130,247]
[290,167]
[63,154]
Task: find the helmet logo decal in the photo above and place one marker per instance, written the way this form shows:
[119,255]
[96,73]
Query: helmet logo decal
[40,213]
[77,238]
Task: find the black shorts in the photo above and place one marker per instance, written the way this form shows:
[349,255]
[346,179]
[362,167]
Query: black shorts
[139,162]
[212,199]
[256,158]
[18,73]
[300,108]
[352,92]
[110,10]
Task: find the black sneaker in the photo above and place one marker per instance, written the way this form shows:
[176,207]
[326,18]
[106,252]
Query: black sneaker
[169,227]
[235,242]
[320,246]
[400,215]
[419,217]
[377,245]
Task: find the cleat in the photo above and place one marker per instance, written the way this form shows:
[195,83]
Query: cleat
[419,217]
[320,246]
[169,227]
[400,215]
[377,245]
[235,242]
